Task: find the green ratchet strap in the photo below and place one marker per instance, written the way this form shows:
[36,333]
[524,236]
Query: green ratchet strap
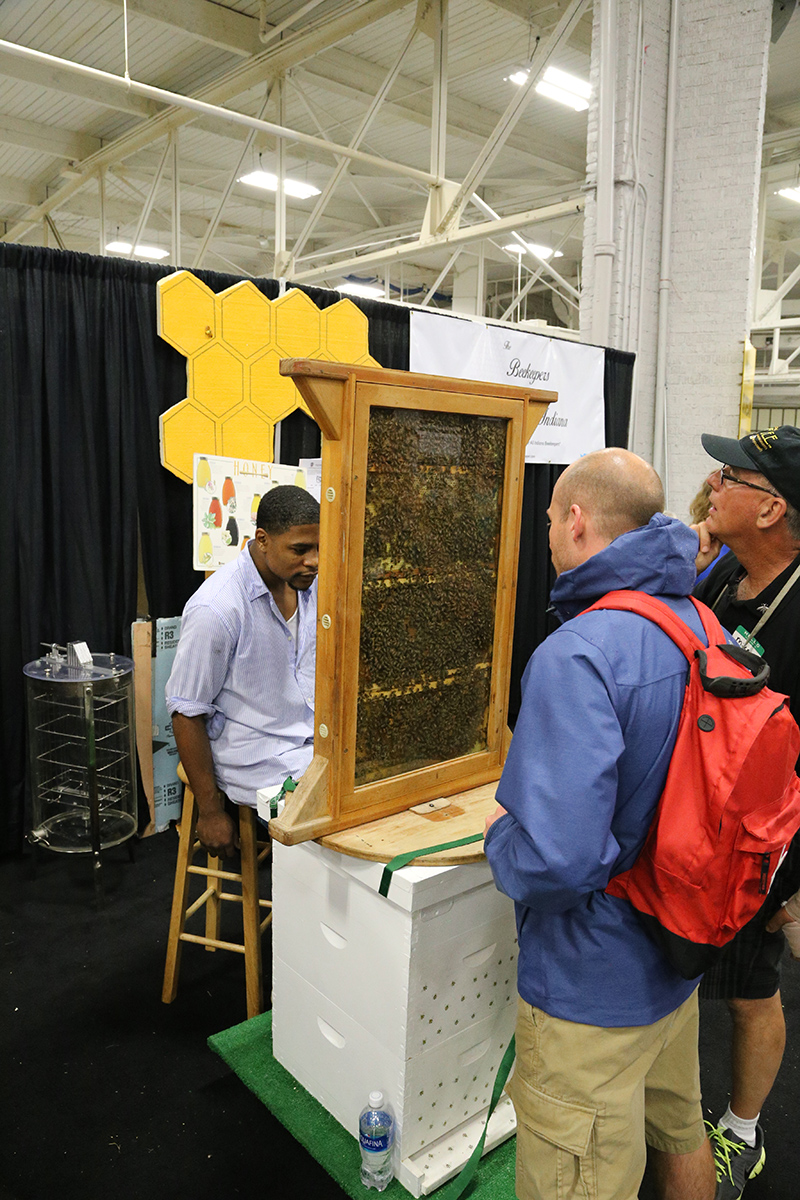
[458,1186]
[402,860]
[288,785]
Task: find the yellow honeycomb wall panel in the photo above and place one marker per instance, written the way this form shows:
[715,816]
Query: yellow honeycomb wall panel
[186,312]
[184,428]
[297,322]
[248,428]
[271,393]
[233,343]
[346,335]
[216,379]
[246,319]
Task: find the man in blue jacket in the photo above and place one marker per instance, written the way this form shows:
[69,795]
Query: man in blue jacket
[607,1059]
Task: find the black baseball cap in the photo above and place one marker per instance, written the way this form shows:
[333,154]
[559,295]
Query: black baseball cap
[774,453]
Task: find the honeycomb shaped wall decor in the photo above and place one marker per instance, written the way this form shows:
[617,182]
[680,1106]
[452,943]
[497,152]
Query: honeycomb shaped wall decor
[233,343]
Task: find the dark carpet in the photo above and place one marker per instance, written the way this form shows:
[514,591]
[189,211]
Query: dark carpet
[108,1094]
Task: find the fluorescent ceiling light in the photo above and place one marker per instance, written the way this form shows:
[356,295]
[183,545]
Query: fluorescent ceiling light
[791,194]
[367,290]
[559,85]
[542,251]
[567,89]
[141,251]
[269,182]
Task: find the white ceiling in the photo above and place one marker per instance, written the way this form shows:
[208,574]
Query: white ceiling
[57,127]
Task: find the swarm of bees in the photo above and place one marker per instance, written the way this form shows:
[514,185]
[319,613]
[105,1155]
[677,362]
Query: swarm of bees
[431,536]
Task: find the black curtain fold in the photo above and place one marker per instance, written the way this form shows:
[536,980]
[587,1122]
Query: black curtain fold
[84,378]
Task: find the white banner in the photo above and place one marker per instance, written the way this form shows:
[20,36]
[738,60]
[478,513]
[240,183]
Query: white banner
[465,349]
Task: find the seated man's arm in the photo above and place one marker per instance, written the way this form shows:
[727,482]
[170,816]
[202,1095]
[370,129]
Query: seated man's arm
[215,828]
[205,649]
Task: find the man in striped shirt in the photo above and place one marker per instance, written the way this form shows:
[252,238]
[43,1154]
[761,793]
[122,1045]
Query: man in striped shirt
[241,691]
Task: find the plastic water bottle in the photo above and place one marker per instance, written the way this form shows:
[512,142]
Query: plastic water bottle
[376,1136]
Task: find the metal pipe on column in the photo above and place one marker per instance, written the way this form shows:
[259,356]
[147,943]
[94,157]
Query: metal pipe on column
[176,200]
[605,248]
[101,189]
[665,279]
[280,195]
[439,98]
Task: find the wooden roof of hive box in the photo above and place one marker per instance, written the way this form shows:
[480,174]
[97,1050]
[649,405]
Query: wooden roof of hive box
[419,542]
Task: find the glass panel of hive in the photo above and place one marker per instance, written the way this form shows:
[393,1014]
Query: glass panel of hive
[434,498]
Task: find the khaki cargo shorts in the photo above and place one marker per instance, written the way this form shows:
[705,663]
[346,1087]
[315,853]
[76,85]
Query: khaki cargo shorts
[588,1100]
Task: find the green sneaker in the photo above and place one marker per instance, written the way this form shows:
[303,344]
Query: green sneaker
[735,1161]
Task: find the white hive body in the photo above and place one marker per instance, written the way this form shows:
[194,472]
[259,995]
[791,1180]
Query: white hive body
[414,993]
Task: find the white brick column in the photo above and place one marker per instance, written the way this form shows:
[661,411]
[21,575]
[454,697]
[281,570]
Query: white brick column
[721,87]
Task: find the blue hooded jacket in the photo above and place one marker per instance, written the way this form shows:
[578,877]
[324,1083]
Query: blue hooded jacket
[601,700]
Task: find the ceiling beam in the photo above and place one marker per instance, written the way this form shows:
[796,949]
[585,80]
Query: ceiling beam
[257,70]
[60,79]
[337,70]
[16,191]
[580,37]
[209,22]
[465,234]
[47,139]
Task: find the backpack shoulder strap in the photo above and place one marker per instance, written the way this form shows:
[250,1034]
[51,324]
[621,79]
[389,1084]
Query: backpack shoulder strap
[661,614]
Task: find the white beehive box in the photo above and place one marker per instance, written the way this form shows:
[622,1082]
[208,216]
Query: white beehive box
[414,993]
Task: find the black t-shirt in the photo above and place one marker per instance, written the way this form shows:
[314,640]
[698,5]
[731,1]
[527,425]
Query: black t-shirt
[780,637]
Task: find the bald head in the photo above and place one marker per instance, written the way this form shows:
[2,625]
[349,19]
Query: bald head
[616,489]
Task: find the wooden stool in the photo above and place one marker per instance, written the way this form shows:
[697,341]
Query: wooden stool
[252,853]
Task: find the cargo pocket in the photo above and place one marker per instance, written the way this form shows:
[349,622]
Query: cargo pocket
[555,1150]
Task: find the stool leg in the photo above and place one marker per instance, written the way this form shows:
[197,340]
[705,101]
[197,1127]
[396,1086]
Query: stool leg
[179,897]
[214,903]
[251,913]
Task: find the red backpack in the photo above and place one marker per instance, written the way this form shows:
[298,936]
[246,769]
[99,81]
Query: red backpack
[731,802]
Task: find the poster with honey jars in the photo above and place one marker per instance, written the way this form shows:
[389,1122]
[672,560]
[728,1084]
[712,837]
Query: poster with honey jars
[226,493]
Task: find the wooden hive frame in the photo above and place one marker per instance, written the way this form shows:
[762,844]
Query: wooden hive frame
[341,398]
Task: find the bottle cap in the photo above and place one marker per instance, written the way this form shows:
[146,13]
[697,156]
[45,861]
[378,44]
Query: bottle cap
[375,1099]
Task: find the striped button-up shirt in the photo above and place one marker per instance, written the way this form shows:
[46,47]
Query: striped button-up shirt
[238,666]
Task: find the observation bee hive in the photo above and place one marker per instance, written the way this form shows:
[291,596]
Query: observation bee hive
[419,542]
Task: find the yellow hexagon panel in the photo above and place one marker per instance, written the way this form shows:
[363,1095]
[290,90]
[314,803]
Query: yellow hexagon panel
[296,325]
[186,312]
[345,332]
[246,318]
[233,343]
[185,431]
[248,428]
[216,379]
[271,393]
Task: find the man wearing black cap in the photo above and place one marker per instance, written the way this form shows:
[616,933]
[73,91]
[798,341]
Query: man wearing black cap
[755,592]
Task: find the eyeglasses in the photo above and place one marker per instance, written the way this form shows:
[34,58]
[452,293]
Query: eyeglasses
[724,477]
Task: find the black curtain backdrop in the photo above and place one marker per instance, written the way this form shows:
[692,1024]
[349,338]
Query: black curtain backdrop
[84,377]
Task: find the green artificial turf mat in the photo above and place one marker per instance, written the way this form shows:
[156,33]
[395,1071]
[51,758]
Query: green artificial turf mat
[247,1049]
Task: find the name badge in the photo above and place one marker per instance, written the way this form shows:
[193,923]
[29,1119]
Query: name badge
[747,641]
